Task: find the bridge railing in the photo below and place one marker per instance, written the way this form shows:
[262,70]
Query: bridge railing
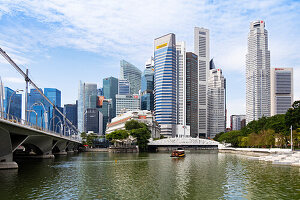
[14,119]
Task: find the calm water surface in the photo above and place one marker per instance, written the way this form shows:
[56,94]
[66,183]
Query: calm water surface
[205,175]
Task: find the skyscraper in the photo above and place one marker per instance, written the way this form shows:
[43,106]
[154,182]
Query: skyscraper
[201,49]
[165,83]
[216,103]
[181,83]
[86,99]
[12,102]
[37,103]
[192,93]
[237,122]
[147,86]
[110,89]
[129,72]
[257,73]
[91,120]
[282,91]
[124,87]
[70,111]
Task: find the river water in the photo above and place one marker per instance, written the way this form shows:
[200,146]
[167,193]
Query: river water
[204,175]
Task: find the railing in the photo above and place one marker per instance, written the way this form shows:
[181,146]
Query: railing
[14,119]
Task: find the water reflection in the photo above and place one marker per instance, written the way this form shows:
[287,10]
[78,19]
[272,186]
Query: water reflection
[204,175]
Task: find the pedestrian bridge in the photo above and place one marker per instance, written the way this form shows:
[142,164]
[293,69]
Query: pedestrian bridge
[36,141]
[185,143]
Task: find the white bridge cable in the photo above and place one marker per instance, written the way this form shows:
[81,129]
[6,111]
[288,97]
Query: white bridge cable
[35,86]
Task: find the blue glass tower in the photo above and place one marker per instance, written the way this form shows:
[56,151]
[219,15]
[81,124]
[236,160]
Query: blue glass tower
[147,86]
[165,83]
[35,99]
[70,111]
[110,89]
[124,87]
[15,107]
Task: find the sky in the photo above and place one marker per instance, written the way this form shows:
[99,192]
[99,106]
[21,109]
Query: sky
[62,42]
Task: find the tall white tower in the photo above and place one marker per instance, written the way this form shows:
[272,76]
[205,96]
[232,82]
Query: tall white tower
[257,73]
[181,86]
[201,49]
[216,102]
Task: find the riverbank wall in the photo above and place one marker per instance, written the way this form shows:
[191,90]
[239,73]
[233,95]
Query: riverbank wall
[274,156]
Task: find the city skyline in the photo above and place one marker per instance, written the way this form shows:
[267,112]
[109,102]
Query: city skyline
[67,59]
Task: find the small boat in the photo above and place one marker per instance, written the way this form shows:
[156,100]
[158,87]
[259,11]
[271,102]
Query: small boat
[179,153]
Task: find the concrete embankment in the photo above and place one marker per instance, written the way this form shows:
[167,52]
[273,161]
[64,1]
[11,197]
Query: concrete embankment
[96,150]
[274,155]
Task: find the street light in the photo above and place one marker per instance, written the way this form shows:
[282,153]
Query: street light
[35,115]
[17,90]
[45,113]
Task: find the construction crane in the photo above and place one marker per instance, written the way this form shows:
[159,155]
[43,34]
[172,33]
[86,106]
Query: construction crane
[28,80]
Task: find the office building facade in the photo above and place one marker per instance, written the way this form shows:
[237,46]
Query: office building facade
[201,49]
[87,98]
[124,87]
[216,103]
[38,108]
[237,122]
[125,103]
[70,111]
[12,103]
[282,90]
[258,102]
[110,89]
[91,120]
[192,93]
[147,86]
[165,84]
[131,73]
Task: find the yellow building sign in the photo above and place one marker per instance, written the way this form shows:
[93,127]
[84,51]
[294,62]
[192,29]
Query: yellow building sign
[161,46]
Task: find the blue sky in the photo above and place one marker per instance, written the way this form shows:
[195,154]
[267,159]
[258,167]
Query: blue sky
[62,42]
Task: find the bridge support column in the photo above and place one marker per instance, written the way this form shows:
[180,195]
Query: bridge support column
[60,146]
[6,151]
[44,146]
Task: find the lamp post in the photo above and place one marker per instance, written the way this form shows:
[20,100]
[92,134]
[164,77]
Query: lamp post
[52,119]
[45,113]
[35,115]
[291,137]
[17,90]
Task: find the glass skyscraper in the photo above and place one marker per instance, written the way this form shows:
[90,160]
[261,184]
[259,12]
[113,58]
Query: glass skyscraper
[165,83]
[110,89]
[147,86]
[124,87]
[70,111]
[15,108]
[87,98]
[35,101]
[131,73]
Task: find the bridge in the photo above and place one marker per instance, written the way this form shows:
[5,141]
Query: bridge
[36,142]
[20,137]
[169,144]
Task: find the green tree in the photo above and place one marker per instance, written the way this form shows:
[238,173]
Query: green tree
[140,131]
[117,135]
[292,116]
[231,137]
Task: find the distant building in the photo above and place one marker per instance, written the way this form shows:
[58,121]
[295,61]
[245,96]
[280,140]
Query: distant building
[124,87]
[237,122]
[110,89]
[147,86]
[192,93]
[70,111]
[131,73]
[87,98]
[216,103]
[144,116]
[105,110]
[282,91]
[37,103]
[125,103]
[100,92]
[12,102]
[165,84]
[258,102]
[201,49]
[92,120]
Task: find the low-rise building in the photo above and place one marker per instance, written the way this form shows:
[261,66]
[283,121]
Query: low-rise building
[145,116]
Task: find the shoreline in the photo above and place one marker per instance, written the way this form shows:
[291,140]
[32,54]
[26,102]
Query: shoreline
[275,156]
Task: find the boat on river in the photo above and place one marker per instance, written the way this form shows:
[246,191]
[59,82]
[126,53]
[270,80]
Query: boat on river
[179,153]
